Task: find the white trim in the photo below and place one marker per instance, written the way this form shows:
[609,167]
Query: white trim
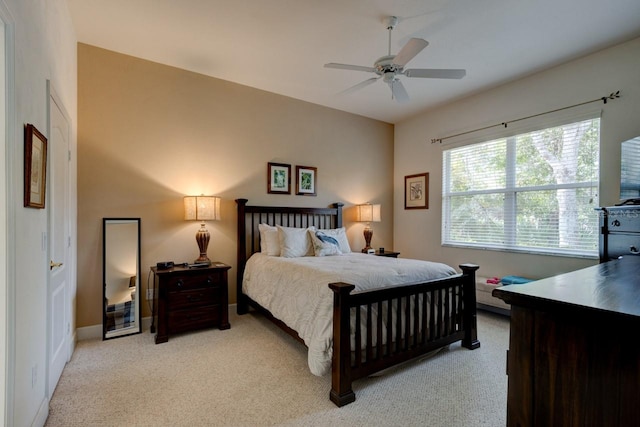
[89,332]
[529,251]
[8,218]
[95,331]
[43,413]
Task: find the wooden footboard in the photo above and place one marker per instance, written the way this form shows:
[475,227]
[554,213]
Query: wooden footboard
[395,324]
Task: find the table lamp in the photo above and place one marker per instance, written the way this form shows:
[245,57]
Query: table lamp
[367,213]
[202,208]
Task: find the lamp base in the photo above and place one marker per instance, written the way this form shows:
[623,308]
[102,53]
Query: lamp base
[202,237]
[368,234]
[202,261]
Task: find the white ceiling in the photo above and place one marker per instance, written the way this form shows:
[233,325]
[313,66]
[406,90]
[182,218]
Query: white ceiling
[281,46]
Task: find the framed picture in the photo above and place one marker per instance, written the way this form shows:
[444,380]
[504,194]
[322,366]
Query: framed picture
[279,178]
[35,167]
[306,180]
[416,191]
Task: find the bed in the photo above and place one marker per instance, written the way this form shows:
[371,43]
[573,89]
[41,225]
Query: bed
[371,329]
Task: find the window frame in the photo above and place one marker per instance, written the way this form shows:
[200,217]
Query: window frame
[510,192]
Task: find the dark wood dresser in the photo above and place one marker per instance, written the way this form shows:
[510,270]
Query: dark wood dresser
[190,299]
[574,352]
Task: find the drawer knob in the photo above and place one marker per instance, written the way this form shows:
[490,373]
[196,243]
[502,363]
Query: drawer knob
[180,283]
[192,298]
[616,223]
[634,250]
[209,281]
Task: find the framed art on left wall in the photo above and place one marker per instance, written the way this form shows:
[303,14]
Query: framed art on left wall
[35,167]
[279,178]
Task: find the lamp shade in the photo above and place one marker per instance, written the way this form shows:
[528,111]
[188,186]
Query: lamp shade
[368,213]
[201,208]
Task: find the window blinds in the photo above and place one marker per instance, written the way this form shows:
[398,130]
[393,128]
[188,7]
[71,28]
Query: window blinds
[533,192]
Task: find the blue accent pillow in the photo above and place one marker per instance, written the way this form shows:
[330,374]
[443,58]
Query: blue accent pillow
[323,244]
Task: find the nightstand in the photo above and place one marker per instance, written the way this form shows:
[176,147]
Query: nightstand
[190,299]
[390,254]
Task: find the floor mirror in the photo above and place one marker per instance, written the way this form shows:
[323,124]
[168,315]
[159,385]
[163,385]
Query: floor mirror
[121,277]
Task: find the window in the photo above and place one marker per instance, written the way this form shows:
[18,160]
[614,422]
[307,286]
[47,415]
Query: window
[534,192]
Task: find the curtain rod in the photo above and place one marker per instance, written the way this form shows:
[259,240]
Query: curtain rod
[604,99]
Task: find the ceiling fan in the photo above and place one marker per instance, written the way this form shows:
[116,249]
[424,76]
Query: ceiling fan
[389,67]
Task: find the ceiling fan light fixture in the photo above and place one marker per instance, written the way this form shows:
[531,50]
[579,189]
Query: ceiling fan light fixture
[389,67]
[391,22]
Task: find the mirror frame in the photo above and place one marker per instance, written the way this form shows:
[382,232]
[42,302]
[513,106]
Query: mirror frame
[136,328]
[630,169]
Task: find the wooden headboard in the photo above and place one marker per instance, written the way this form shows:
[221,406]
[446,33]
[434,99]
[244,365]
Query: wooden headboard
[250,216]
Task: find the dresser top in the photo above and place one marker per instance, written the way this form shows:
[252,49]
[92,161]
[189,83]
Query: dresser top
[612,286]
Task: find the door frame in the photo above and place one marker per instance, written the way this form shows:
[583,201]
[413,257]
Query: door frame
[7,222]
[52,97]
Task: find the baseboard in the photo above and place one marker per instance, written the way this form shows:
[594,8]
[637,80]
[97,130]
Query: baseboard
[494,309]
[72,343]
[95,331]
[43,413]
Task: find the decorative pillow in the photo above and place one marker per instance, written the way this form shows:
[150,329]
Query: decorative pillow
[323,244]
[269,241]
[340,235]
[295,242]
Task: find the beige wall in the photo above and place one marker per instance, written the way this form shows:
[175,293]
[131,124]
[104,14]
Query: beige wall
[417,233]
[149,134]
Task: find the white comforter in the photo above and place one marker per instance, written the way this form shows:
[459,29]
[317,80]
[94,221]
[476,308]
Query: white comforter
[296,291]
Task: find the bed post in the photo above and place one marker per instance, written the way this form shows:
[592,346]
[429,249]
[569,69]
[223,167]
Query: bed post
[338,207]
[341,392]
[242,306]
[470,320]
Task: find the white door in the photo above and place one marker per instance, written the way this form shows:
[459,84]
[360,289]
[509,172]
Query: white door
[59,242]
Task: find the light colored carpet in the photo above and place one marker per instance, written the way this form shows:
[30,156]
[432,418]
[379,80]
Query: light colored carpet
[256,375]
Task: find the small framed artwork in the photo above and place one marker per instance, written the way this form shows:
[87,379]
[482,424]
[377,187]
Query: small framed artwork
[35,167]
[416,191]
[306,177]
[279,178]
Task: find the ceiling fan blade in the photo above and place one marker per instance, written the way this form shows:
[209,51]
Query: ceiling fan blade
[398,91]
[349,67]
[432,73]
[359,86]
[412,48]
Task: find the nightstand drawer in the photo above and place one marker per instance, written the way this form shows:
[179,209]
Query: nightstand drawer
[186,320]
[187,282]
[194,298]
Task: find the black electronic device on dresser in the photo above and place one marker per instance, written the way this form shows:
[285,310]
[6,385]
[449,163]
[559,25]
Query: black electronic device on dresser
[619,231]
[190,298]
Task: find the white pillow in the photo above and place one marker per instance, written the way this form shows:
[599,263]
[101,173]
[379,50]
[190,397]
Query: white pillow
[324,245]
[269,241]
[340,234]
[295,242]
